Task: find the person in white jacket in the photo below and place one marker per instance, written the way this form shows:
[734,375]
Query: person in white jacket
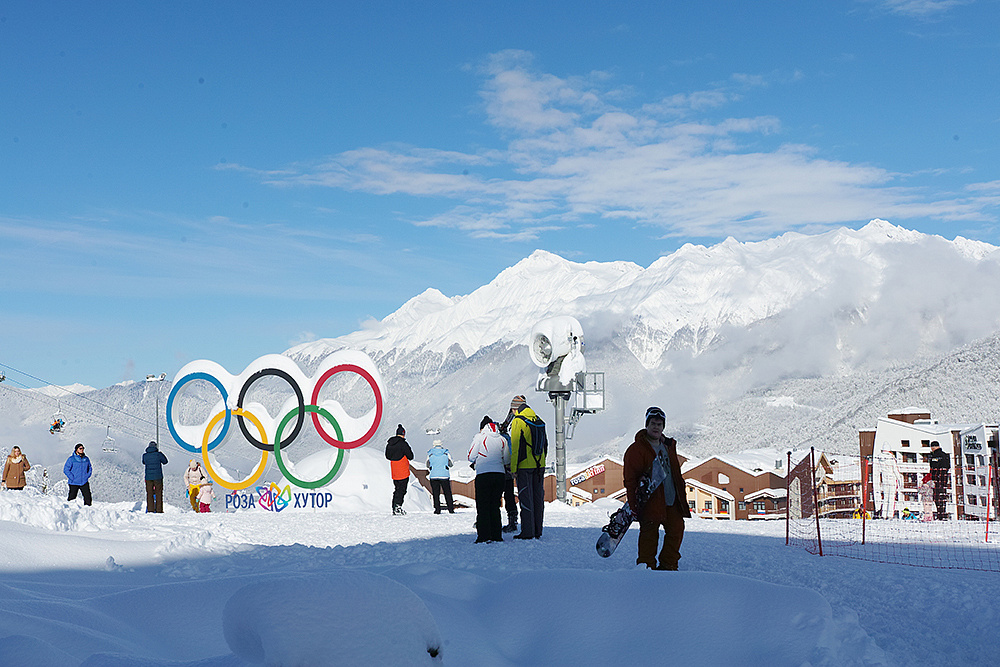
[489,454]
[194,477]
[206,494]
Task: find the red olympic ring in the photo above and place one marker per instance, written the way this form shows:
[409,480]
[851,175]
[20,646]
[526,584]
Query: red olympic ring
[378,406]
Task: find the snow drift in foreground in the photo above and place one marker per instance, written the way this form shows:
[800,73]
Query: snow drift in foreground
[321,588]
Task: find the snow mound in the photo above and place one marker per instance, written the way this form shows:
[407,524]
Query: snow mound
[33,508]
[30,652]
[667,613]
[373,621]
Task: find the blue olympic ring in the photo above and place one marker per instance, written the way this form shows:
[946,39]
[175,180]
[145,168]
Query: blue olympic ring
[170,402]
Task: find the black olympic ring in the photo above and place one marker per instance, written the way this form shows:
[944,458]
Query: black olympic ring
[285,442]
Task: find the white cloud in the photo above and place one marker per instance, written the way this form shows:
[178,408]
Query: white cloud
[573,156]
[921,8]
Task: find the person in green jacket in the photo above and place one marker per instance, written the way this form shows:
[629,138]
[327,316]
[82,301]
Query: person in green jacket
[528,470]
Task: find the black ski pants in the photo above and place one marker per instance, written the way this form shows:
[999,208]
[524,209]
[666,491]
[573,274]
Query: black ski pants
[439,486]
[531,498]
[399,492]
[82,488]
[489,488]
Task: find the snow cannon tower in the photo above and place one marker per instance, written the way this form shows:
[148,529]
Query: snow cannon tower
[556,347]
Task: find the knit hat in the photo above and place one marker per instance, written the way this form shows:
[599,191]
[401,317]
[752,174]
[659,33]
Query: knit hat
[486,420]
[400,431]
[655,412]
[517,403]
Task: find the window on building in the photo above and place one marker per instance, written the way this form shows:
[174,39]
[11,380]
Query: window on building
[973,500]
[911,497]
[708,505]
[981,460]
[904,443]
[910,480]
[982,479]
[971,479]
[691,504]
[758,506]
[723,506]
[925,443]
[742,505]
[970,460]
[982,501]
[925,458]
[909,457]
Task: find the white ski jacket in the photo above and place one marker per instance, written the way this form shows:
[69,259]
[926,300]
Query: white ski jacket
[489,451]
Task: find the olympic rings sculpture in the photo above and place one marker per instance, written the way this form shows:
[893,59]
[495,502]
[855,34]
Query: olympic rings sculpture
[269,434]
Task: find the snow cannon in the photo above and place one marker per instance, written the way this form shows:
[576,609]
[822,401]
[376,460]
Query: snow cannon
[556,345]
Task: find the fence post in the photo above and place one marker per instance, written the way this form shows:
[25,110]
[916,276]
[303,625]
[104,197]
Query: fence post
[812,483]
[865,467]
[788,495]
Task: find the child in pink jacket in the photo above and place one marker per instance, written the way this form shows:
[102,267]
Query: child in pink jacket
[206,494]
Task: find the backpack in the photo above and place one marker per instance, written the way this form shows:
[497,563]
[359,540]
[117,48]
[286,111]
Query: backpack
[539,440]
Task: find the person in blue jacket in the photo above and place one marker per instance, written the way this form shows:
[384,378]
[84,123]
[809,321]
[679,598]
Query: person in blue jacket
[154,459]
[78,471]
[438,464]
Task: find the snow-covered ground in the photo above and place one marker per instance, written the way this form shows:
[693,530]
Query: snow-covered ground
[111,585]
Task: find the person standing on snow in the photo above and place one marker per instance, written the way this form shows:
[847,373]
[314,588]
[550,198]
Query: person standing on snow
[194,477]
[78,471]
[668,505]
[14,469]
[926,494]
[206,494]
[438,465]
[940,464]
[509,499]
[489,456]
[398,451]
[154,459]
[528,470]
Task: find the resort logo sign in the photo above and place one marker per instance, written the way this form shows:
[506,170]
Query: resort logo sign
[207,404]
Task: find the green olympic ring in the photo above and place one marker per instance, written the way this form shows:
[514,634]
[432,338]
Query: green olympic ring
[277,448]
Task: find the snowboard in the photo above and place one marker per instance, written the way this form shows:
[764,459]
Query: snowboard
[620,521]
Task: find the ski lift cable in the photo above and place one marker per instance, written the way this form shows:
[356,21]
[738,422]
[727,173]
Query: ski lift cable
[95,418]
[86,416]
[86,398]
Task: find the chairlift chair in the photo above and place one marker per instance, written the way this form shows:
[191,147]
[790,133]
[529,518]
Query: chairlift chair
[109,443]
[58,422]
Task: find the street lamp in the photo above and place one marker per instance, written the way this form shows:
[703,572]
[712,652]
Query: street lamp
[157,378]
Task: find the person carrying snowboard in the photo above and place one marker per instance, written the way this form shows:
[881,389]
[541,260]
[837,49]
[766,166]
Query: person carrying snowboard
[398,451]
[668,506]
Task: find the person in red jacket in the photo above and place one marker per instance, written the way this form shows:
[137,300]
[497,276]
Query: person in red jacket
[668,506]
[398,451]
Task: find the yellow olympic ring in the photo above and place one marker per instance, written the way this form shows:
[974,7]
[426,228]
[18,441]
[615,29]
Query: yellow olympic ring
[255,475]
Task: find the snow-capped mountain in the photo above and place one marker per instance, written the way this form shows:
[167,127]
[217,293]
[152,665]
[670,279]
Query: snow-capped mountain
[792,341]
[697,331]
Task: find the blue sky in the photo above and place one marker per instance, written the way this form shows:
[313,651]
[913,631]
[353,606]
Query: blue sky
[223,180]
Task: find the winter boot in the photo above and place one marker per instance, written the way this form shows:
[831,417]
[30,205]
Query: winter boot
[511,525]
